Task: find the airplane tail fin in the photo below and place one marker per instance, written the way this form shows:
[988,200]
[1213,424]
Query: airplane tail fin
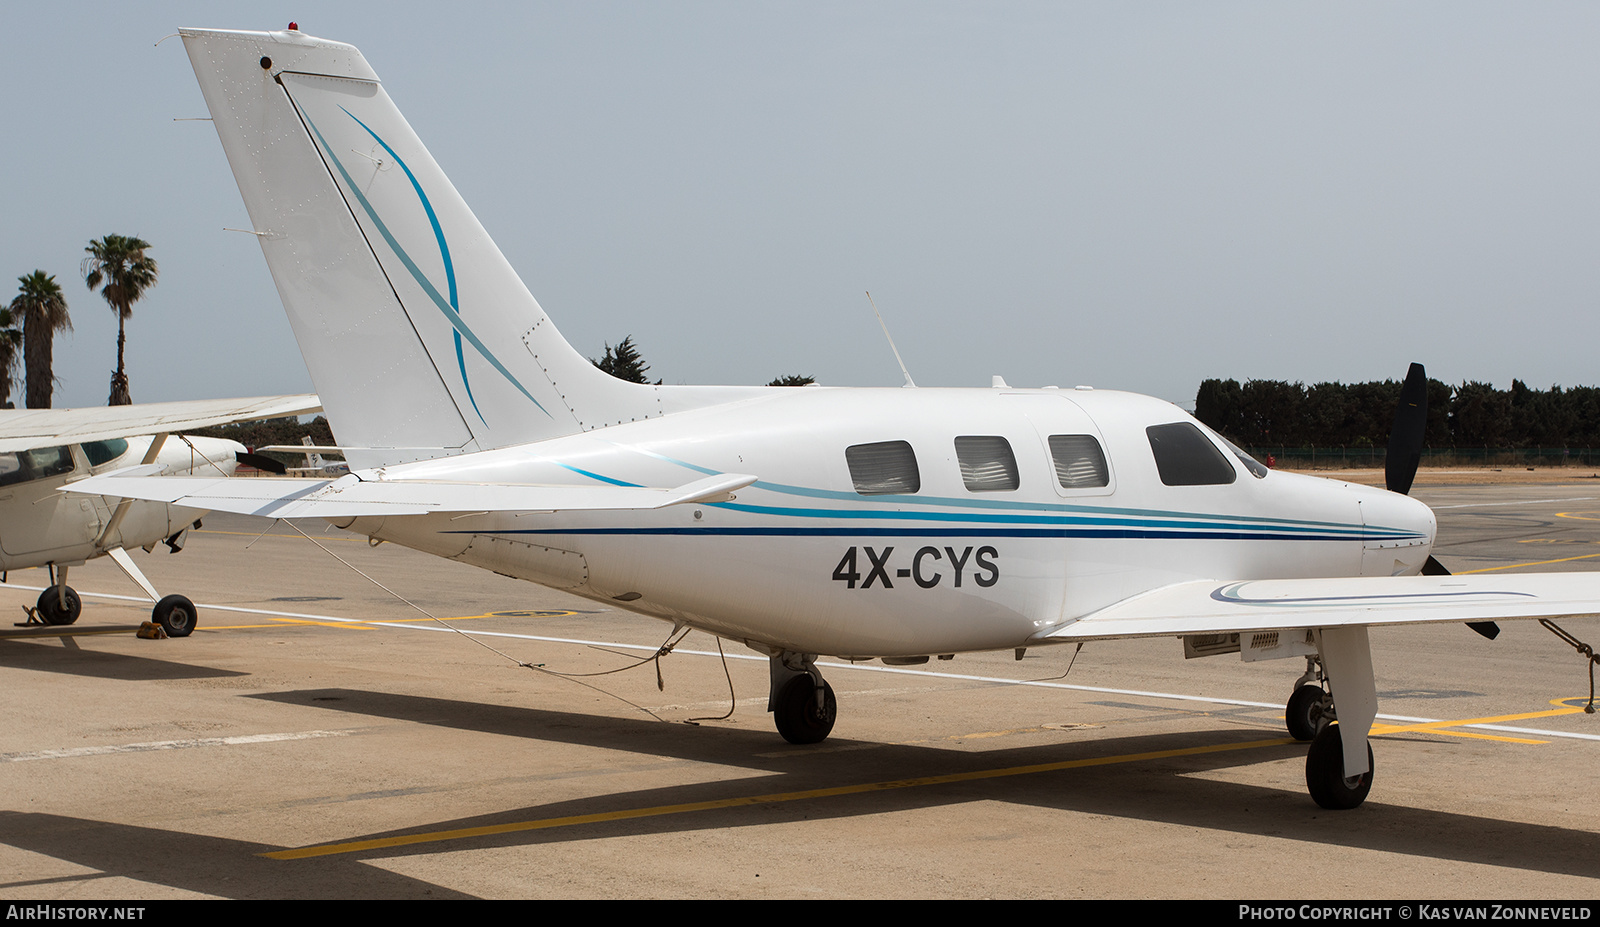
[421,339]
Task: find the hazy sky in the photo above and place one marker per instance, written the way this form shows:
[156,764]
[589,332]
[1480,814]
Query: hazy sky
[1133,196]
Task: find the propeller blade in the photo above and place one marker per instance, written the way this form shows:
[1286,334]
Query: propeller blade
[262,462]
[1487,628]
[1410,426]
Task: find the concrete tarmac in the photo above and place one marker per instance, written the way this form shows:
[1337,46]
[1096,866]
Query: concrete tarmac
[319,737]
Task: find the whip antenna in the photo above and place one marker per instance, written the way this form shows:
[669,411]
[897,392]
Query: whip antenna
[886,334]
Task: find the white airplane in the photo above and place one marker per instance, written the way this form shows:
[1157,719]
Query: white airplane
[894,524]
[42,451]
[316,464]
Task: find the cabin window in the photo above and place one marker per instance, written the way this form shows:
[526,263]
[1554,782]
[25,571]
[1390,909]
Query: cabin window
[1080,464]
[883,468]
[36,464]
[1186,457]
[100,452]
[987,464]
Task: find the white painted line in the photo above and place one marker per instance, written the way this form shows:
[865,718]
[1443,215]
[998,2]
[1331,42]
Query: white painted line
[996,680]
[1485,505]
[167,745]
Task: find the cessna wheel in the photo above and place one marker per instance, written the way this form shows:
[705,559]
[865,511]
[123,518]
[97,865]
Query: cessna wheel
[1325,777]
[51,609]
[176,615]
[1304,713]
[797,714]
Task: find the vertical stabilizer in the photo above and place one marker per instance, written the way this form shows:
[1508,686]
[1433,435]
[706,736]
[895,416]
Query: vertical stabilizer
[420,338]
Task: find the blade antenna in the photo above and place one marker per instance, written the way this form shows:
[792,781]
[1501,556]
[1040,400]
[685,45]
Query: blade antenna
[886,334]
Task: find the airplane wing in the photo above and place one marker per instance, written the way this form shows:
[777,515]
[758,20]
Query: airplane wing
[1213,607]
[352,496]
[24,429]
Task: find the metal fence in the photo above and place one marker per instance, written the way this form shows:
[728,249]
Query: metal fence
[1357,458]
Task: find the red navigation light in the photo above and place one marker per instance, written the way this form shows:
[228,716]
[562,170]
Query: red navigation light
[294,27]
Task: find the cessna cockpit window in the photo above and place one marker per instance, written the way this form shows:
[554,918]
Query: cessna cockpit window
[1186,457]
[1080,464]
[41,462]
[883,468]
[987,464]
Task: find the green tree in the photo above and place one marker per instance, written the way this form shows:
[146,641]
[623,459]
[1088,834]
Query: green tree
[624,362]
[793,379]
[43,311]
[118,265]
[10,343]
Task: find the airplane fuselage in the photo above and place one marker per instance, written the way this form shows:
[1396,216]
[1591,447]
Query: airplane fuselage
[40,524]
[911,522]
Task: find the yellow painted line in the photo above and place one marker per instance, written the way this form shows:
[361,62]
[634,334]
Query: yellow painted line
[1476,736]
[1581,516]
[1437,726]
[357,846]
[1513,566]
[342,625]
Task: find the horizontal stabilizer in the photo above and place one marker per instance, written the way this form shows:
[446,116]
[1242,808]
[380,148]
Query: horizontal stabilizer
[24,429]
[351,496]
[1212,607]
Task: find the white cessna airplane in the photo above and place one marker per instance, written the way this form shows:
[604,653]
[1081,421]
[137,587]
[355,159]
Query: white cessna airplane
[865,523]
[42,451]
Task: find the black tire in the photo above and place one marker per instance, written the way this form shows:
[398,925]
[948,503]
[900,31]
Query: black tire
[797,715]
[1304,714]
[1325,776]
[49,605]
[176,615]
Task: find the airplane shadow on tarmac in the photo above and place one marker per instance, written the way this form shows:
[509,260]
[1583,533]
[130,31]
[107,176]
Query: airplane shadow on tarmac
[1158,790]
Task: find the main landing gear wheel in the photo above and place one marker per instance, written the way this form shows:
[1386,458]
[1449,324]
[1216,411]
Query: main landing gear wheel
[176,615]
[1325,777]
[59,605]
[800,719]
[1304,713]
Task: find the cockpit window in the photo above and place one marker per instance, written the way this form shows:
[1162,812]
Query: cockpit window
[1185,457]
[35,464]
[987,464]
[99,452]
[1257,469]
[883,468]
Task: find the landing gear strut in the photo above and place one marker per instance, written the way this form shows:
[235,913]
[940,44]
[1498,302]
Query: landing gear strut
[801,701]
[1336,777]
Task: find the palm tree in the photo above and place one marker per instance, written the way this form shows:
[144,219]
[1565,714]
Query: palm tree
[43,311]
[119,262]
[10,341]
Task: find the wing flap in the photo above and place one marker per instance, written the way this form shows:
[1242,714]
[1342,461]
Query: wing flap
[350,496]
[1213,607]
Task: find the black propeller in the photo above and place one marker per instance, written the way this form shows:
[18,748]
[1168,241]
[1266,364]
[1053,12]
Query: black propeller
[261,462]
[1410,427]
[1405,453]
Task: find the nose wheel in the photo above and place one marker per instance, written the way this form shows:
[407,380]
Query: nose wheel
[59,604]
[1307,707]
